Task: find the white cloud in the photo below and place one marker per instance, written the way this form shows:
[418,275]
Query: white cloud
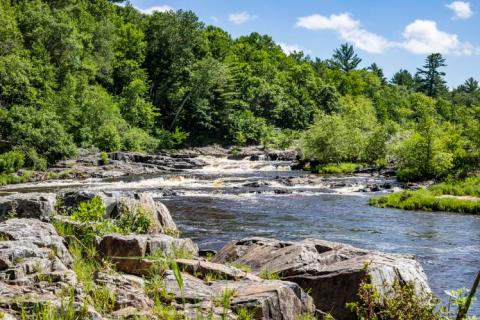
[420,36]
[461,9]
[349,30]
[290,48]
[240,17]
[424,37]
[151,10]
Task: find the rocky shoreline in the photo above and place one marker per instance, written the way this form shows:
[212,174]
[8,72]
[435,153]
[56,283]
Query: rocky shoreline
[312,277]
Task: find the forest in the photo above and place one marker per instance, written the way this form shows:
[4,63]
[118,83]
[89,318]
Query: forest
[93,74]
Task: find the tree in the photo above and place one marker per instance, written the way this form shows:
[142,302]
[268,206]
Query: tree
[345,58]
[429,79]
[378,71]
[403,78]
[469,86]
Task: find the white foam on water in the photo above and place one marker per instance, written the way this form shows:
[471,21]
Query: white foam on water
[224,165]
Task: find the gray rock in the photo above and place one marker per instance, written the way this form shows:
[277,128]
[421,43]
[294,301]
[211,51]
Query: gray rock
[268,299]
[34,263]
[115,203]
[28,205]
[130,253]
[163,220]
[70,201]
[332,271]
[202,268]
[129,290]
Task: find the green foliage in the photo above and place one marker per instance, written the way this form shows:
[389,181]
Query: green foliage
[136,219]
[36,132]
[333,168]
[171,140]
[91,73]
[430,79]
[454,196]
[11,161]
[269,275]
[104,158]
[108,138]
[135,139]
[405,302]
[345,58]
[427,201]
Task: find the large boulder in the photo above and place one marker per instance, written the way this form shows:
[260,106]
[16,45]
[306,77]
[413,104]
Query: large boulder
[28,205]
[70,200]
[163,221]
[116,203]
[332,272]
[131,253]
[34,263]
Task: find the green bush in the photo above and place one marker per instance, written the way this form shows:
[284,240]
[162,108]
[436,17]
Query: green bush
[339,168]
[135,219]
[13,178]
[170,140]
[406,303]
[108,138]
[138,140]
[104,158]
[11,161]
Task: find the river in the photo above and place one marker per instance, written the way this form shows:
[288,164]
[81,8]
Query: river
[232,199]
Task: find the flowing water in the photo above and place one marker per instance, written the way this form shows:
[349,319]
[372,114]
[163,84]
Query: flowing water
[229,200]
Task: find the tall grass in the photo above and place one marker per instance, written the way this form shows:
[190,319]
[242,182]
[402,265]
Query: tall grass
[435,197]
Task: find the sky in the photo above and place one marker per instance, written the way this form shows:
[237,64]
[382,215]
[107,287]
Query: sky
[394,34]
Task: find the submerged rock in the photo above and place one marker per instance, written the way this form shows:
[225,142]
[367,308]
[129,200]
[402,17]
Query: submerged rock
[331,271]
[28,205]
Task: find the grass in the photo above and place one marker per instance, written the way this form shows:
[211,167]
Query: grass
[337,168]
[468,187]
[430,199]
[12,178]
[269,275]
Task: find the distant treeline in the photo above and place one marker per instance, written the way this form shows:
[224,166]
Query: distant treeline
[83,73]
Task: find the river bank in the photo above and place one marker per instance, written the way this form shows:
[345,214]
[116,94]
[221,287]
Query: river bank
[225,199]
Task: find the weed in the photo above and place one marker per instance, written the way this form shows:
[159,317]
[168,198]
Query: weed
[269,275]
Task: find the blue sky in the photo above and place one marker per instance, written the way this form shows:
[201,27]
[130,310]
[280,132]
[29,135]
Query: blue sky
[394,34]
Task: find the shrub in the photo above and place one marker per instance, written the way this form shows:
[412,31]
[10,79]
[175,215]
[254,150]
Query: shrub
[11,161]
[171,140]
[404,302]
[108,138]
[338,168]
[104,158]
[136,139]
[135,219]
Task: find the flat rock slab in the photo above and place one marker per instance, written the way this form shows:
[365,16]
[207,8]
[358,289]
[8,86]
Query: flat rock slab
[331,272]
[28,205]
[267,299]
[220,271]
